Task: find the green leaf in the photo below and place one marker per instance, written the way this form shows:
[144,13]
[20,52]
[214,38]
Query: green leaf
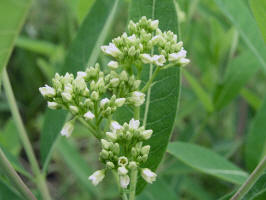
[84,51]
[159,190]
[12,17]
[240,16]
[6,192]
[159,111]
[239,71]
[259,11]
[256,138]
[84,7]
[207,161]
[252,99]
[199,91]
[76,164]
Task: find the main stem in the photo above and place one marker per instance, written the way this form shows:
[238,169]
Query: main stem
[261,167]
[133,183]
[40,178]
[14,177]
[148,84]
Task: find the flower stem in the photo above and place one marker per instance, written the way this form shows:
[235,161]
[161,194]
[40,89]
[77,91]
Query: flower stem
[14,177]
[40,179]
[251,180]
[133,183]
[148,84]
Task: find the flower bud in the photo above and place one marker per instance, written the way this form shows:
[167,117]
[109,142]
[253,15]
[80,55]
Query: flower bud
[132,51]
[123,76]
[111,49]
[115,126]
[120,102]
[154,24]
[122,170]
[66,96]
[67,128]
[114,82]
[104,154]
[94,95]
[146,134]
[134,124]
[110,165]
[146,58]
[145,150]
[74,109]
[111,136]
[137,98]
[103,102]
[88,115]
[97,177]
[47,91]
[81,74]
[158,60]
[52,105]
[124,181]
[132,165]
[105,144]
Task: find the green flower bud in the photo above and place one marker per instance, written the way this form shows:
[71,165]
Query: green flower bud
[94,95]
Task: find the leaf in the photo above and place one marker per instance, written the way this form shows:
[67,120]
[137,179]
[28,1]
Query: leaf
[159,111]
[10,25]
[256,138]
[259,11]
[252,99]
[83,51]
[84,7]
[199,91]
[240,16]
[6,192]
[159,190]
[207,162]
[76,164]
[239,71]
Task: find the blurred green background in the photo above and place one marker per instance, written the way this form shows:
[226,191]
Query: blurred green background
[222,90]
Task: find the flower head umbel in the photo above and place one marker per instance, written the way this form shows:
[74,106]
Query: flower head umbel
[123,150]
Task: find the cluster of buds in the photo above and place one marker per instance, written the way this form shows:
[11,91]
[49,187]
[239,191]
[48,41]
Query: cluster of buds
[86,96]
[123,151]
[137,47]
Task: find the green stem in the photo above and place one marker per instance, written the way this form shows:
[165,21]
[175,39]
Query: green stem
[121,190]
[14,177]
[133,183]
[261,167]
[148,84]
[40,179]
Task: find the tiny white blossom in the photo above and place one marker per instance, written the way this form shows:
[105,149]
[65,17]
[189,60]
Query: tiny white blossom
[146,58]
[68,88]
[47,91]
[67,129]
[154,24]
[148,175]
[115,126]
[158,60]
[124,181]
[122,161]
[184,61]
[52,105]
[177,56]
[120,102]
[111,135]
[105,144]
[74,109]
[104,101]
[80,83]
[81,74]
[114,82]
[146,134]
[137,98]
[66,96]
[122,170]
[113,64]
[132,38]
[111,49]
[88,115]
[97,177]
[134,124]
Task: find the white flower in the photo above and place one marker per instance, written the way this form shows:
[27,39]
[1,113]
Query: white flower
[47,91]
[122,161]
[111,49]
[134,124]
[81,74]
[88,115]
[97,177]
[132,38]
[111,135]
[148,175]
[146,134]
[154,24]
[156,39]
[105,144]
[67,129]
[158,60]
[184,61]
[66,96]
[146,58]
[114,82]
[124,181]
[177,56]
[103,102]
[122,170]
[115,126]
[113,64]
[68,88]
[80,83]
[137,98]
[74,109]
[52,105]
[120,102]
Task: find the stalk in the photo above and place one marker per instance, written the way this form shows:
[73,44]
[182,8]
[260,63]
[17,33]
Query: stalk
[14,177]
[133,183]
[40,178]
[261,167]
[148,84]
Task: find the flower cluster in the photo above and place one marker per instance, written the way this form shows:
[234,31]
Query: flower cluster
[122,151]
[92,95]
[143,39]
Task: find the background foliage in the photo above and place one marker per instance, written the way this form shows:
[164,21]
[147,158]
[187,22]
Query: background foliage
[218,136]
